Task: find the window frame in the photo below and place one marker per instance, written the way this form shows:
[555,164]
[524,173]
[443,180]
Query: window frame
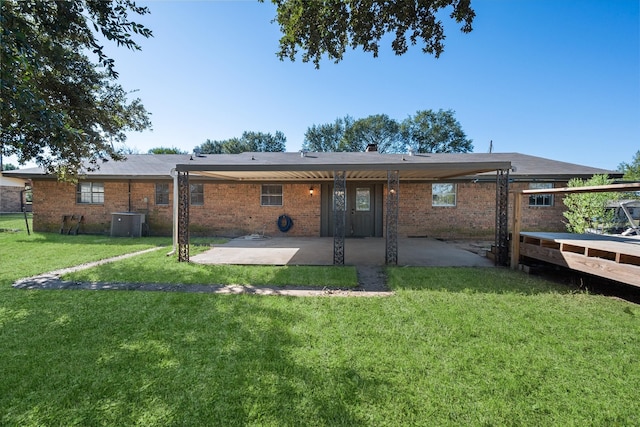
[196,198]
[95,193]
[161,193]
[434,195]
[546,199]
[271,198]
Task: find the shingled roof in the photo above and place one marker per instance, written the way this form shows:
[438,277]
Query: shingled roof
[319,166]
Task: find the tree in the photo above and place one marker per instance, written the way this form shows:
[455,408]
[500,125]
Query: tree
[58,107]
[378,129]
[435,132]
[588,210]
[329,137]
[631,170]
[248,142]
[265,142]
[329,27]
[9,167]
[166,150]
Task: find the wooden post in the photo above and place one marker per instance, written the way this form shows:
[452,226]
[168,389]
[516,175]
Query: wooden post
[515,232]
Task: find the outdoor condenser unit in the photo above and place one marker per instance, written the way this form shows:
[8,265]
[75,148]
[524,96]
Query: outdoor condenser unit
[126,224]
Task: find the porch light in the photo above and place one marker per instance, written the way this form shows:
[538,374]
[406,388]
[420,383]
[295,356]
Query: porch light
[311,191]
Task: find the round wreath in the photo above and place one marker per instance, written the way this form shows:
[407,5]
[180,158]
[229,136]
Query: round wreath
[284,223]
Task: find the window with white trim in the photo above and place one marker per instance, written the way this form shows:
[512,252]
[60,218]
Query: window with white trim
[90,193]
[443,194]
[271,195]
[540,199]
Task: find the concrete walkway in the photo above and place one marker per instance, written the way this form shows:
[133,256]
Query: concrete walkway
[319,251]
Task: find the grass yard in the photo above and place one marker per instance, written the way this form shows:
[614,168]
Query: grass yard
[451,347]
[154,267]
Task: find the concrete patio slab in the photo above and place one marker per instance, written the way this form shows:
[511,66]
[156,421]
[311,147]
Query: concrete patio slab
[319,251]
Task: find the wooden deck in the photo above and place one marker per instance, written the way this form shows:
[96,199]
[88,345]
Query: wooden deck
[613,257]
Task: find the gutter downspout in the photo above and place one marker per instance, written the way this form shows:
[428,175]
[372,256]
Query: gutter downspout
[174,175]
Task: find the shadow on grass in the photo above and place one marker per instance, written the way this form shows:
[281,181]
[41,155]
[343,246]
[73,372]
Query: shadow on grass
[156,268]
[168,359]
[89,239]
[470,280]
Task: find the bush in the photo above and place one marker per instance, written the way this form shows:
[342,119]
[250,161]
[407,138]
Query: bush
[589,210]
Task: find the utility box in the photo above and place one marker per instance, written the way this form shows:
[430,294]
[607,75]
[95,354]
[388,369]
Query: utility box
[126,224]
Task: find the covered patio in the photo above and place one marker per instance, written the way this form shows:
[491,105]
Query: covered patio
[368,251]
[338,169]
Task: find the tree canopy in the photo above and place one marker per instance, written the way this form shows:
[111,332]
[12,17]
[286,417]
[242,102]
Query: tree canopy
[427,132]
[435,132]
[328,27]
[166,150]
[631,170]
[248,142]
[328,137]
[59,107]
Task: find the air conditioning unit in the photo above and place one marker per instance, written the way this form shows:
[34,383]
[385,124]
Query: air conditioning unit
[126,224]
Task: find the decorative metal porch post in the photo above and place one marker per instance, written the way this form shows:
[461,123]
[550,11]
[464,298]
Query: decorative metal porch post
[183,216]
[502,213]
[339,212]
[393,197]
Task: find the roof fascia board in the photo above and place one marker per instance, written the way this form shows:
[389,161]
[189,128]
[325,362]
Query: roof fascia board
[478,167]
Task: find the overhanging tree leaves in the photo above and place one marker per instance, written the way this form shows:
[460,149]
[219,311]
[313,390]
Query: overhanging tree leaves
[435,132]
[58,107]
[329,27]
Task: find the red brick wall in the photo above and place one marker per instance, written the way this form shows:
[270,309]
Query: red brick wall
[233,209]
[229,209]
[10,199]
[474,213]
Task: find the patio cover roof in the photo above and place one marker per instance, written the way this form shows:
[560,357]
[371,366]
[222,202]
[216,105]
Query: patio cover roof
[321,166]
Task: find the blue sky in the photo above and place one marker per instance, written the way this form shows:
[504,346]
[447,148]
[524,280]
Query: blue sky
[552,78]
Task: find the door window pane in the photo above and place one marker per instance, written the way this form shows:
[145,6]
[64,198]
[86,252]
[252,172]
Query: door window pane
[363,199]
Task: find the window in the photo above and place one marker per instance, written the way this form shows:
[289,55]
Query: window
[363,199]
[90,192]
[271,195]
[197,194]
[540,199]
[162,193]
[28,194]
[443,194]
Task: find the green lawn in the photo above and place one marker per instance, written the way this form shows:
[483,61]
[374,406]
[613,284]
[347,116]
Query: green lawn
[154,267]
[451,347]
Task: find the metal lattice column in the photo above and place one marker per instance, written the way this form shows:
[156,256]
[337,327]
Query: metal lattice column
[339,215]
[183,216]
[393,197]
[502,213]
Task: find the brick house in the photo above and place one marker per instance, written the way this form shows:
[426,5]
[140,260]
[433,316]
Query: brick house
[440,195]
[12,194]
